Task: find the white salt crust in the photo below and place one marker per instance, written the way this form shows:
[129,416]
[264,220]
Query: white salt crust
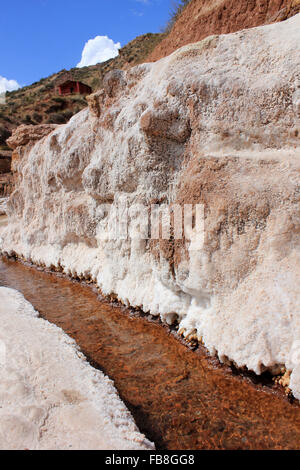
[50,397]
[238,95]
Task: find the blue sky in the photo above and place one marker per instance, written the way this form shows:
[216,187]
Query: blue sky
[40,37]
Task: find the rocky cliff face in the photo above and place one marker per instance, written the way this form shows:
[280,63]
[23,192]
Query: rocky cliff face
[215,124]
[201,18]
[6,184]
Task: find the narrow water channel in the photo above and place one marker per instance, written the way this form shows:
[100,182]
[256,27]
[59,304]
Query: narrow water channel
[180,399]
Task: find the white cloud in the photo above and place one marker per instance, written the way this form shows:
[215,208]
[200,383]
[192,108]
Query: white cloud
[99,49]
[8,85]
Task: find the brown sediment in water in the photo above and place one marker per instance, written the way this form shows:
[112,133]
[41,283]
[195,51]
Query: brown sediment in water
[3,220]
[181,399]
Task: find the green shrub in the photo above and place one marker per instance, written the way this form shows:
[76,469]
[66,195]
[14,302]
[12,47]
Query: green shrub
[56,118]
[4,134]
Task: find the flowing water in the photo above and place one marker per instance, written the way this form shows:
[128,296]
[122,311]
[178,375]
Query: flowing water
[181,399]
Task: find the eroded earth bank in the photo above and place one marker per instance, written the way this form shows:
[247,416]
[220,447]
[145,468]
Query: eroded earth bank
[180,398]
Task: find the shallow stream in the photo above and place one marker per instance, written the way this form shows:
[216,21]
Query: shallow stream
[181,399]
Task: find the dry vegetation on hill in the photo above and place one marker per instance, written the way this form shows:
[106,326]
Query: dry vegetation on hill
[40,103]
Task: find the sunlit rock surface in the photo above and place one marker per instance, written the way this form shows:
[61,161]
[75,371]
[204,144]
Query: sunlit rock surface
[216,123]
[51,398]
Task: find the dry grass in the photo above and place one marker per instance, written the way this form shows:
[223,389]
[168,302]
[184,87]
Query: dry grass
[40,103]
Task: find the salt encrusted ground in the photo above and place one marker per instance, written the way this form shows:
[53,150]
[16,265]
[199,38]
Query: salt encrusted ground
[3,202]
[50,397]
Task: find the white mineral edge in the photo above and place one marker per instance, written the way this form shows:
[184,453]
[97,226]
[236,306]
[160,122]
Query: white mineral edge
[50,397]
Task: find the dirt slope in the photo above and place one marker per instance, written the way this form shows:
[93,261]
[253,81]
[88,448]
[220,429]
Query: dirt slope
[202,18]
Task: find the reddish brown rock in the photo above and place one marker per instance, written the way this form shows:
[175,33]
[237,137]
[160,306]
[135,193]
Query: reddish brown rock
[95,102]
[166,124]
[24,135]
[202,18]
[6,184]
[5,161]
[216,124]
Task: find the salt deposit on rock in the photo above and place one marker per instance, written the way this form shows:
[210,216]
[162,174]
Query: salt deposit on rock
[216,123]
[50,397]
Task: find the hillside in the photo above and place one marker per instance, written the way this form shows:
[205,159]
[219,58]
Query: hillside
[202,18]
[39,103]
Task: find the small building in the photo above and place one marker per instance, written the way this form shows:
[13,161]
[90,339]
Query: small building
[70,87]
